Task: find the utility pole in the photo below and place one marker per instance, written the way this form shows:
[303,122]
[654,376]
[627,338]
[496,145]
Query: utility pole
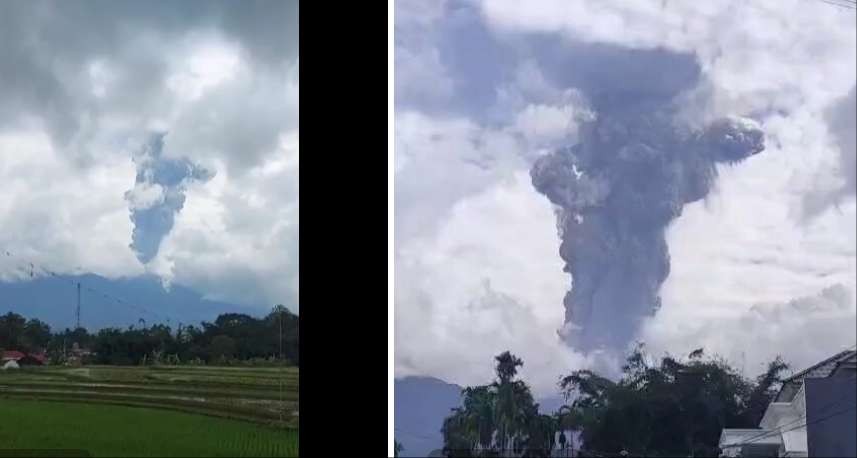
[282,407]
[78,307]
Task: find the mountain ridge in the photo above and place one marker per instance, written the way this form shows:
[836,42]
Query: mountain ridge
[116,302]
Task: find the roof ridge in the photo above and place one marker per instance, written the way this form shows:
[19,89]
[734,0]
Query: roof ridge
[835,357]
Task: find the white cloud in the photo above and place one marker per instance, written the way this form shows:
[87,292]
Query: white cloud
[237,237]
[754,53]
[60,216]
[836,180]
[448,159]
[465,211]
[82,92]
[487,281]
[547,124]
[239,120]
[746,245]
[202,68]
[145,195]
[803,331]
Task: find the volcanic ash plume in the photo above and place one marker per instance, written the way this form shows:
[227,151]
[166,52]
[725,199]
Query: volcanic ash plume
[158,195]
[616,192]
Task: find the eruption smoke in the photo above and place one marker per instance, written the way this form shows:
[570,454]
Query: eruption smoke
[166,179]
[616,191]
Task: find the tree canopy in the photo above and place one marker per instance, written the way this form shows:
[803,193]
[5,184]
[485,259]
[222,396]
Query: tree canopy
[231,337]
[499,419]
[675,407]
[669,407]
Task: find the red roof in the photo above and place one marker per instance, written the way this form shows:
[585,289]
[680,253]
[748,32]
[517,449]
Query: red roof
[13,355]
[40,357]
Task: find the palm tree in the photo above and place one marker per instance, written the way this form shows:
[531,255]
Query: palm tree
[500,419]
[506,415]
[540,432]
[480,416]
[455,434]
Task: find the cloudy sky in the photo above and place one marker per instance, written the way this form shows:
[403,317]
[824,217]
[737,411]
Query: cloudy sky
[153,137]
[765,264]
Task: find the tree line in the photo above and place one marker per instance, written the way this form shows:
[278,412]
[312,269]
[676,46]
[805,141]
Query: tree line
[671,407]
[231,338]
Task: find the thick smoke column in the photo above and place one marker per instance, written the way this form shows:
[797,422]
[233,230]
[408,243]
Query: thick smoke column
[616,192]
[158,195]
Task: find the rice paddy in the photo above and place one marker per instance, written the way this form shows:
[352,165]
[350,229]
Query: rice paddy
[151,410]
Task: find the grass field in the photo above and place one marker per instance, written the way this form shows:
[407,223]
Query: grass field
[106,430]
[167,401]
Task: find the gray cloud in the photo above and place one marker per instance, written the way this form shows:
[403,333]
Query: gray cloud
[463,67]
[83,82]
[533,73]
[47,48]
[842,125]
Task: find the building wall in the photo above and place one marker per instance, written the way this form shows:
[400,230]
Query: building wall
[831,416]
[784,416]
[794,441]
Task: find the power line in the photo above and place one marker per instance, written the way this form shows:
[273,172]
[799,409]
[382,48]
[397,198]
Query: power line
[78,307]
[847,4]
[90,289]
[779,429]
[853,407]
[776,430]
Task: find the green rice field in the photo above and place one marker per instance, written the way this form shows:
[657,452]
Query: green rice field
[151,410]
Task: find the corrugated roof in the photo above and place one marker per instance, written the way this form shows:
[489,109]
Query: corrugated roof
[12,354]
[821,369]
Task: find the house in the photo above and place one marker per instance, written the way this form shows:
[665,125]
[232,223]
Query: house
[33,359]
[11,355]
[77,355]
[41,357]
[80,352]
[813,414]
[24,359]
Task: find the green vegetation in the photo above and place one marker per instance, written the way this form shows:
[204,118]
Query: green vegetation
[673,408]
[233,338]
[263,395]
[499,418]
[104,430]
[179,393]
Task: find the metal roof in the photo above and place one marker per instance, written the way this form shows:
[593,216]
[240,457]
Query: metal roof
[821,369]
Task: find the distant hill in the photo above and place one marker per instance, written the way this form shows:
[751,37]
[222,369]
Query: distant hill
[422,403]
[53,300]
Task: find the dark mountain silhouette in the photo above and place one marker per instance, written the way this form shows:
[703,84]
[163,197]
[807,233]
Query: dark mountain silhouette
[421,404]
[112,302]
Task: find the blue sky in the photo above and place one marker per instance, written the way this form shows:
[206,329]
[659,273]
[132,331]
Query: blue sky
[765,264]
[158,138]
